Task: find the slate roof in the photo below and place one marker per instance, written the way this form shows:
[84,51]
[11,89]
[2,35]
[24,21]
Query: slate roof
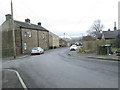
[110,34]
[52,34]
[98,35]
[30,26]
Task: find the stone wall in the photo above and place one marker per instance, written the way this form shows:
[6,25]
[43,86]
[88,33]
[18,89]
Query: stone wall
[50,41]
[7,39]
[92,45]
[62,43]
[53,41]
[37,39]
[28,42]
[56,41]
[44,39]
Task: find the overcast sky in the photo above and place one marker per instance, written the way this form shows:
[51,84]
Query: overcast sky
[73,17]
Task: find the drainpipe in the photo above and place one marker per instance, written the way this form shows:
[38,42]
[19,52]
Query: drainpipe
[21,41]
[38,37]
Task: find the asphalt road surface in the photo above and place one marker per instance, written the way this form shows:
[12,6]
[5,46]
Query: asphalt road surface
[55,69]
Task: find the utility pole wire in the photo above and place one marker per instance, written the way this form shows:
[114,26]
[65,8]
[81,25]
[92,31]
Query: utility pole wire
[14,46]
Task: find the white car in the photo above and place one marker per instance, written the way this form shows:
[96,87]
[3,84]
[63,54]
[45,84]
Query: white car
[37,50]
[73,48]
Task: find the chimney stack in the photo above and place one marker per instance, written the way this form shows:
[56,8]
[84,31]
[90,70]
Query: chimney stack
[115,28]
[27,20]
[8,16]
[39,23]
[109,29]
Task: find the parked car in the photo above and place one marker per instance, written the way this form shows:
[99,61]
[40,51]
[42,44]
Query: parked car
[73,48]
[37,50]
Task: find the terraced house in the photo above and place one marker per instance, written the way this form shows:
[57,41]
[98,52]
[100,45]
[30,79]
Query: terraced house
[27,36]
[53,40]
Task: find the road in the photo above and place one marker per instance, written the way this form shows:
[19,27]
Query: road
[55,69]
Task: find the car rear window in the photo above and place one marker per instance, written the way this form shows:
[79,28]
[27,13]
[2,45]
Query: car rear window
[73,45]
[35,49]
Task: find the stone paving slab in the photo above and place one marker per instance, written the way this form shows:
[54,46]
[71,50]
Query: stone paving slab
[10,79]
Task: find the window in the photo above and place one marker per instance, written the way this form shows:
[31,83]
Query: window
[25,34]
[43,35]
[29,33]
[25,46]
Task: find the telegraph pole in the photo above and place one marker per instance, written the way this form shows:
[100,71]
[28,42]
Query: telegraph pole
[64,35]
[14,46]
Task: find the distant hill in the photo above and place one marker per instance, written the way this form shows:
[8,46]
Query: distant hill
[75,39]
[72,39]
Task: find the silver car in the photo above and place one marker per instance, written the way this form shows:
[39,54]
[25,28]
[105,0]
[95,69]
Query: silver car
[73,48]
[37,50]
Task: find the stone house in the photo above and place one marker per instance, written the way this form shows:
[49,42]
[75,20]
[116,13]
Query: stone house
[109,35]
[113,36]
[63,43]
[27,36]
[53,40]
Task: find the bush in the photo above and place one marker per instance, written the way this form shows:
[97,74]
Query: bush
[118,50]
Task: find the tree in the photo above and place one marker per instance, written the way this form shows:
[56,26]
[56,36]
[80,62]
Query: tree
[96,28]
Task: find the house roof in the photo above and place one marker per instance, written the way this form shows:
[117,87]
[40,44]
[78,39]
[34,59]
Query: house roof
[110,34]
[98,35]
[52,34]
[30,26]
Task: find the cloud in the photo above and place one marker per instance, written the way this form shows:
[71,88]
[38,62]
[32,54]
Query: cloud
[69,16]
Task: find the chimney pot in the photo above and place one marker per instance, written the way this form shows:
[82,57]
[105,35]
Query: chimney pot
[8,16]
[115,28]
[27,20]
[39,23]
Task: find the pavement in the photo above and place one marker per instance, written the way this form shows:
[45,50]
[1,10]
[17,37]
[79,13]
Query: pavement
[113,57]
[13,81]
[11,78]
[17,57]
